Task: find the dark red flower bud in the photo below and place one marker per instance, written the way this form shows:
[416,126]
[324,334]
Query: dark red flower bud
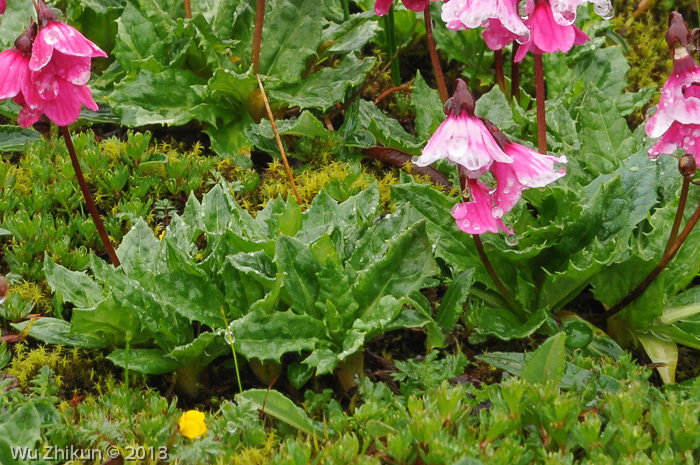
[44,13]
[678,34]
[24,42]
[687,165]
[461,100]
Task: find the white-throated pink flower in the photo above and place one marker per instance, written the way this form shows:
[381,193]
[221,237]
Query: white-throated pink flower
[677,116]
[477,146]
[462,138]
[564,11]
[547,35]
[470,14]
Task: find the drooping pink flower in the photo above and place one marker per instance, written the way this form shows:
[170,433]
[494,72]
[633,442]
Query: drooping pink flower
[381,7]
[529,169]
[463,138]
[480,215]
[677,117]
[470,14]
[547,35]
[3,5]
[477,146]
[47,70]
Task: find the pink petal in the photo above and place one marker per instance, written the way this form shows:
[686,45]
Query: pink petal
[85,97]
[679,136]
[477,216]
[463,140]
[381,7]
[15,71]
[64,38]
[3,5]
[28,116]
[548,35]
[416,5]
[496,36]
[65,108]
[678,97]
[508,188]
[532,168]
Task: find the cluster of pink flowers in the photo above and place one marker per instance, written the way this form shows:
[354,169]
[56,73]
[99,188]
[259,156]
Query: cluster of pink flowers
[47,70]
[540,26]
[477,147]
[677,117]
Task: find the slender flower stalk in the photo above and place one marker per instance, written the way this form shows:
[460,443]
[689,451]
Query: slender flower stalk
[390,30]
[667,257]
[540,95]
[257,35]
[434,58]
[188,9]
[498,63]
[515,75]
[88,198]
[280,146]
[679,214]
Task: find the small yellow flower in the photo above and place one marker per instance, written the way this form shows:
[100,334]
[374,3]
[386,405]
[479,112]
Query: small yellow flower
[192,424]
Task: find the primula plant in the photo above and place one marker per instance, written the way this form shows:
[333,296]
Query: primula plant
[443,277]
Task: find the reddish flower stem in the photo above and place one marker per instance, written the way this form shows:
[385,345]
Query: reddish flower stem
[188,9]
[679,214]
[498,63]
[515,75]
[667,257]
[541,96]
[257,34]
[88,198]
[505,293]
[434,58]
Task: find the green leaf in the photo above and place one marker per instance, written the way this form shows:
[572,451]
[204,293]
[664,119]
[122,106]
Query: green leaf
[146,361]
[138,38]
[494,107]
[455,297]
[74,287]
[386,130]
[322,90]
[275,404]
[13,138]
[216,211]
[548,362]
[350,35]
[201,351]
[169,96]
[139,250]
[268,337]
[663,351]
[605,137]
[195,298]
[407,262]
[505,325]
[58,332]
[298,268]
[286,47]
[428,108]
[604,69]
[22,428]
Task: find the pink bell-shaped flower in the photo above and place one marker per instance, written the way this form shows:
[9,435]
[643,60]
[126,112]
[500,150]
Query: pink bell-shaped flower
[470,14]
[463,138]
[547,35]
[564,11]
[47,69]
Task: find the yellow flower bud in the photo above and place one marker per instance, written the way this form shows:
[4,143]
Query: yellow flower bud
[192,424]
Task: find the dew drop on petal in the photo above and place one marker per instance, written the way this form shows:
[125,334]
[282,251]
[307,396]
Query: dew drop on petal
[476,227]
[497,212]
[465,223]
[510,181]
[605,11]
[51,37]
[506,190]
[564,18]
[523,39]
[454,209]
[415,159]
[512,240]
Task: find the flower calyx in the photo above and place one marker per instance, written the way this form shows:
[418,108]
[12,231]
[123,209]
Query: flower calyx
[678,36]
[44,13]
[461,100]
